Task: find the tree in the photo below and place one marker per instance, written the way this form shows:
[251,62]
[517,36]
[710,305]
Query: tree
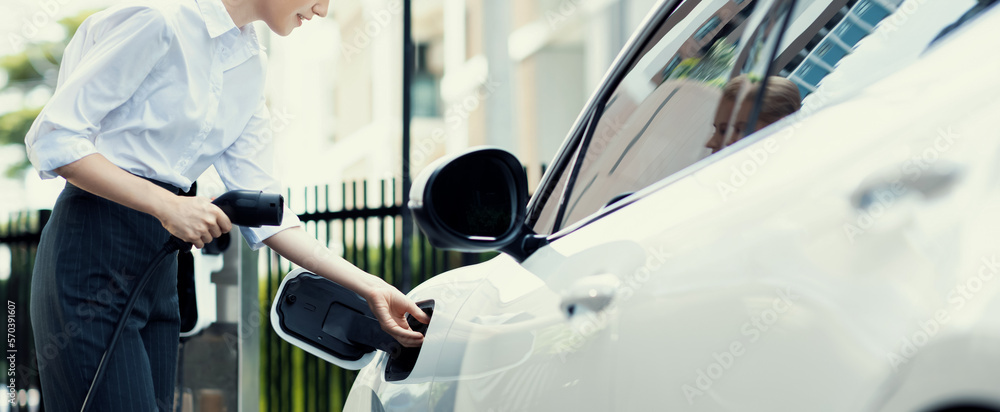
[712,68]
[32,69]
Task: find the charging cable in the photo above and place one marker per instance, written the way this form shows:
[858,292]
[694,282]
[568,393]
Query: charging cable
[243,207]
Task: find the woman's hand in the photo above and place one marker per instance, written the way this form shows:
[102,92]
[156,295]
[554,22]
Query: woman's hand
[390,307]
[194,220]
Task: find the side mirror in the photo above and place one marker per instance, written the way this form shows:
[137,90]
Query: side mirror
[475,202]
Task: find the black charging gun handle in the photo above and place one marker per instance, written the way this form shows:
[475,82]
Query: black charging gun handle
[251,208]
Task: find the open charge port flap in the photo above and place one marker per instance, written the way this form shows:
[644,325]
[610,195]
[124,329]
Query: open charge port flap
[330,320]
[341,322]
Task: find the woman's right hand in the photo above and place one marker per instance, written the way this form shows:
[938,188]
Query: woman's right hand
[195,220]
[192,219]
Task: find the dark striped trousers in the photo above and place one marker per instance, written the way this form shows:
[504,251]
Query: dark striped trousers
[90,257]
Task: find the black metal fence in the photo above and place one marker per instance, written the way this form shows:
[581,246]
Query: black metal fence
[361,220]
[18,243]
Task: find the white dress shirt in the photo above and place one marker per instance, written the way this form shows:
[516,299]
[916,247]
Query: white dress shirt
[163,90]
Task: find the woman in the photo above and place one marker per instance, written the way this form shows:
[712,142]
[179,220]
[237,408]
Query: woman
[149,96]
[780,100]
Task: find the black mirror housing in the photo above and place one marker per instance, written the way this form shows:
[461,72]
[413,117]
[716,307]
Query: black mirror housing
[475,202]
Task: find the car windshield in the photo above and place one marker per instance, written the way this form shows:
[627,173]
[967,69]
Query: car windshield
[663,115]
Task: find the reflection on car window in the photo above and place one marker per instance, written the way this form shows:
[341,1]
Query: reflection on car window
[662,115]
[671,101]
[825,32]
[831,50]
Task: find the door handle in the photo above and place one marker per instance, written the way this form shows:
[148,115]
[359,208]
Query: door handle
[929,183]
[592,293]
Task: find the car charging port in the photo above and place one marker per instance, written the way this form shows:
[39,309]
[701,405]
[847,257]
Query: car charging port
[400,364]
[330,320]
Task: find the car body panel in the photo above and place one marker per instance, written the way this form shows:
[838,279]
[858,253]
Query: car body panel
[821,264]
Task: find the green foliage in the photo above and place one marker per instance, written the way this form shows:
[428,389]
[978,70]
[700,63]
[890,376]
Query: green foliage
[14,125]
[72,23]
[19,68]
[711,67]
[18,169]
[25,71]
[23,67]
[684,68]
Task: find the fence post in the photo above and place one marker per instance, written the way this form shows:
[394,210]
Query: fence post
[408,63]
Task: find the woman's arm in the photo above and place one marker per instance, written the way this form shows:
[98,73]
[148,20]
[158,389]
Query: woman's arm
[387,303]
[192,219]
[248,164]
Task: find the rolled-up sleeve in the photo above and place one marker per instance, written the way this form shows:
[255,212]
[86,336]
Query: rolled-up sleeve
[102,68]
[248,164]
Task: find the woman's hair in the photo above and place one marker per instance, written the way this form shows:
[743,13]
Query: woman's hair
[781,99]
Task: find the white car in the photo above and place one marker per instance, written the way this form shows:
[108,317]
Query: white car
[844,258]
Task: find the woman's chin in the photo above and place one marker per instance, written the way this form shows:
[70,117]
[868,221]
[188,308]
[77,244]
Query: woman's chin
[281,30]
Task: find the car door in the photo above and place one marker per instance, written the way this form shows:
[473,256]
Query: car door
[544,334]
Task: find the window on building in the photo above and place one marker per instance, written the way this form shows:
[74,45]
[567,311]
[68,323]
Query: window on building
[707,28]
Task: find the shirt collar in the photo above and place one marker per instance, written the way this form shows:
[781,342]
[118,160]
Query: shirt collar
[217,19]
[218,22]
[252,42]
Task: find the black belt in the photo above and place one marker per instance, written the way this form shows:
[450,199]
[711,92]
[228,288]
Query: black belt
[171,188]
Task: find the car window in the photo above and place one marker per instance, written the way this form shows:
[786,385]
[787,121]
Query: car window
[836,48]
[662,115]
